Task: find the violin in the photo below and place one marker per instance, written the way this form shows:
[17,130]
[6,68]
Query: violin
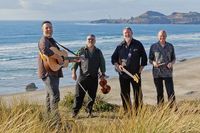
[105,89]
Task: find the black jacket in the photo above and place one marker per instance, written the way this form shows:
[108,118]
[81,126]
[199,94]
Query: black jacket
[131,57]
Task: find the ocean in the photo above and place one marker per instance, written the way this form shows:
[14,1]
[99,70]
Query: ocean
[19,46]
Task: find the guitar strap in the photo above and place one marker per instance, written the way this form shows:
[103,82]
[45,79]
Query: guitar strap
[66,48]
[43,56]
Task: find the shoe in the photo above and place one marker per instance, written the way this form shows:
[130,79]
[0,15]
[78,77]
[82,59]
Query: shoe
[90,115]
[74,115]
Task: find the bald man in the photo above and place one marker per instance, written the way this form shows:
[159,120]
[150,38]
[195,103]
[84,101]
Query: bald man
[162,57]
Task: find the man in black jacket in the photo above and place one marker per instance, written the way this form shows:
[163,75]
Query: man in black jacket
[87,81]
[130,55]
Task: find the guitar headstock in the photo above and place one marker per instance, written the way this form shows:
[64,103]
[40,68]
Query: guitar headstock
[136,78]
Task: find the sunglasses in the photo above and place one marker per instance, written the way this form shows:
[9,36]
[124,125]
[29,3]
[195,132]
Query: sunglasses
[90,39]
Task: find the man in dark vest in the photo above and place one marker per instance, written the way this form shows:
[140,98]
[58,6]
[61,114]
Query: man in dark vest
[87,81]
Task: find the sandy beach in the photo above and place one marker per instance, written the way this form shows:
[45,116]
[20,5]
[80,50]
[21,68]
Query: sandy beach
[186,82]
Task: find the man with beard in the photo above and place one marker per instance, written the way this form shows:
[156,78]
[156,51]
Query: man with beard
[129,55]
[87,81]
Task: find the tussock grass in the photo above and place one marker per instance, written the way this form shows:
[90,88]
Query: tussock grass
[23,117]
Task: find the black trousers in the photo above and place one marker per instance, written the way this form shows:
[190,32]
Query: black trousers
[125,93]
[169,88]
[90,85]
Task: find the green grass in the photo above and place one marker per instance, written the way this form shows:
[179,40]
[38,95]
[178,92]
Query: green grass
[23,117]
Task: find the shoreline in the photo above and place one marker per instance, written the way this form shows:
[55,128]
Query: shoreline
[186,84]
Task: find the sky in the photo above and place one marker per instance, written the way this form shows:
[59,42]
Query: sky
[69,10]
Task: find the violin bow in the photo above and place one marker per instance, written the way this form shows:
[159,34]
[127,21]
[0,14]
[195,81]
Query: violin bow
[84,90]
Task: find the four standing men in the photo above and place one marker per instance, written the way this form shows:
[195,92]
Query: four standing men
[130,55]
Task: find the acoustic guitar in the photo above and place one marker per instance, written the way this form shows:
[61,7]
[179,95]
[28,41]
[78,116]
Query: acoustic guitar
[51,64]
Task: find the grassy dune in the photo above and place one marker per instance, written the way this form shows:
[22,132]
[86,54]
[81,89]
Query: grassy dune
[22,117]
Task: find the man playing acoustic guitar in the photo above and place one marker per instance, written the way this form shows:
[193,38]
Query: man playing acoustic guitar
[50,78]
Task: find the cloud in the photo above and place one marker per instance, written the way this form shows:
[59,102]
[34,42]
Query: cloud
[9,4]
[89,9]
[36,4]
[70,5]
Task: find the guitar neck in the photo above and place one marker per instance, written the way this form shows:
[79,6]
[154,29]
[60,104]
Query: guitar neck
[71,58]
[127,72]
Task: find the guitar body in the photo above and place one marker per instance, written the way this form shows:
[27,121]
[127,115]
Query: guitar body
[51,64]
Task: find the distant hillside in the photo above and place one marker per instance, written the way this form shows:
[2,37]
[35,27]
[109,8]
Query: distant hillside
[152,17]
[185,18]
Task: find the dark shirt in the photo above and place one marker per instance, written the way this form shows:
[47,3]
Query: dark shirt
[132,57]
[91,63]
[162,55]
[44,47]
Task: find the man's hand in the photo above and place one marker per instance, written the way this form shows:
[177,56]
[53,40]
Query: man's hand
[141,69]
[74,76]
[155,64]
[169,65]
[102,77]
[59,59]
[118,67]
[121,67]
